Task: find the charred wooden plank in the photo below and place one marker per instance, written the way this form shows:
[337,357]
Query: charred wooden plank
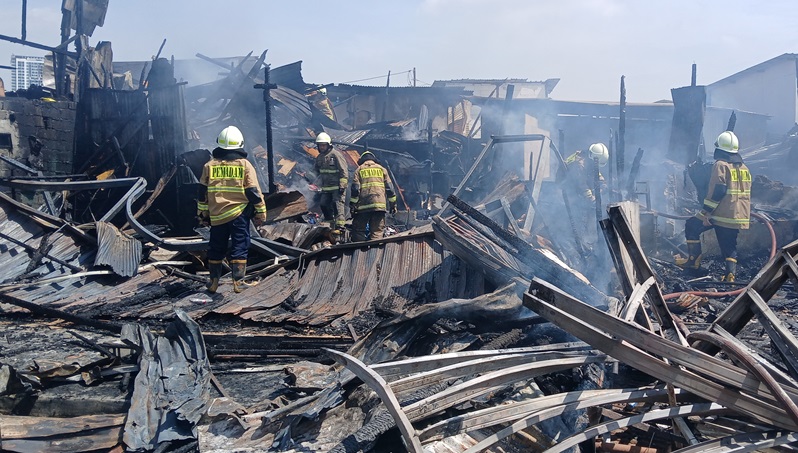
[564,311]
[766,283]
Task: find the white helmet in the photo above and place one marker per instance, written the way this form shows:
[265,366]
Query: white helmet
[600,152]
[728,142]
[230,138]
[323,137]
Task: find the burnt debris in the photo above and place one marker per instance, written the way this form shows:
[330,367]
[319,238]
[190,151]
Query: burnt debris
[525,296]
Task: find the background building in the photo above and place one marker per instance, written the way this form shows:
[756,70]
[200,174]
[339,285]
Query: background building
[27,71]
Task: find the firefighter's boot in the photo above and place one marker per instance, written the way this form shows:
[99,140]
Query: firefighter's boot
[731,269]
[693,262]
[239,270]
[216,269]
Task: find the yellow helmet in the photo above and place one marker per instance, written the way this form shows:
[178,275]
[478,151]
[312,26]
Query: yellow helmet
[230,138]
[600,152]
[728,142]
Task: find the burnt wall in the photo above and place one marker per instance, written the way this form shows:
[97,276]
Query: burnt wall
[38,134]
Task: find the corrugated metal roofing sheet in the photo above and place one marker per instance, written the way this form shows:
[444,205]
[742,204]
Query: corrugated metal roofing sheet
[118,250]
[345,282]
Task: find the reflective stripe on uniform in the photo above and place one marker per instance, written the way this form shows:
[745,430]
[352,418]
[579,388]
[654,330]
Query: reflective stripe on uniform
[233,212]
[372,184]
[392,199]
[710,203]
[730,220]
[260,209]
[373,205]
[353,199]
[329,188]
[202,206]
[323,170]
[225,189]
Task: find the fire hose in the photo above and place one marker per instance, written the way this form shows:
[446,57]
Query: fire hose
[764,220]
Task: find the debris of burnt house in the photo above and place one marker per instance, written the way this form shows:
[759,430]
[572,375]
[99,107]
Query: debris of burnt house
[501,313]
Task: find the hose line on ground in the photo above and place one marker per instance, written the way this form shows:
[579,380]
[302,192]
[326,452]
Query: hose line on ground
[764,220]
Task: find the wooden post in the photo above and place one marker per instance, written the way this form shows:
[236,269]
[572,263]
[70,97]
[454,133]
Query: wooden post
[621,132]
[267,98]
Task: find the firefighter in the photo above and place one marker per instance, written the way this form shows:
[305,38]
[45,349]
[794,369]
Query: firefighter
[229,197]
[726,208]
[334,178]
[372,196]
[581,170]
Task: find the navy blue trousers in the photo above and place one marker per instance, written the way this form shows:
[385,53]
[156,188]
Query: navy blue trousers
[727,237]
[237,232]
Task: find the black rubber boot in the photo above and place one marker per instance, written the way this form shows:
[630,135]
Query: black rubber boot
[693,262]
[216,268]
[239,268]
[731,269]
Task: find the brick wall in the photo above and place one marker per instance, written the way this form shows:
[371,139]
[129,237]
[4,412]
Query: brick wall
[51,123]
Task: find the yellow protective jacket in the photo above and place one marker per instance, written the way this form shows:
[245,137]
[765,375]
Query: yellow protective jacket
[229,185]
[372,188]
[333,171]
[728,201]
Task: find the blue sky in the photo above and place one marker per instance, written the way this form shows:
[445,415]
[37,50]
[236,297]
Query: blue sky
[588,44]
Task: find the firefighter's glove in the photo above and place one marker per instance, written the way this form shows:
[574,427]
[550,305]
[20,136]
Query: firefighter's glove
[342,190]
[393,208]
[352,208]
[259,220]
[703,216]
[203,217]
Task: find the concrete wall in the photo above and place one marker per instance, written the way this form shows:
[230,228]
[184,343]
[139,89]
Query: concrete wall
[770,91]
[51,123]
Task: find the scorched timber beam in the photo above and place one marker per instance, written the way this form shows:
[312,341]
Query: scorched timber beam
[560,309]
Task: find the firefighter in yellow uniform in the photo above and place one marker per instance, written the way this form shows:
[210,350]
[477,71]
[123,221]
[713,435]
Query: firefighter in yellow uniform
[229,198]
[334,173]
[727,206]
[372,192]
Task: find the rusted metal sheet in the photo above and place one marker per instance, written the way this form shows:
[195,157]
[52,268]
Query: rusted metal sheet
[118,250]
[343,282]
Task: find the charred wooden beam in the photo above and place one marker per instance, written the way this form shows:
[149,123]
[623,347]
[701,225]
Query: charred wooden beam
[59,314]
[769,280]
[500,231]
[602,331]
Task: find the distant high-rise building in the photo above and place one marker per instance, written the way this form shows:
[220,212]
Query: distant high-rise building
[27,71]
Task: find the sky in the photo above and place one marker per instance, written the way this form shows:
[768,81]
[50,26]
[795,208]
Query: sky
[587,44]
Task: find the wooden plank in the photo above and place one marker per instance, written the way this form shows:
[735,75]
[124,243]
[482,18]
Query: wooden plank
[19,427]
[695,383]
[643,271]
[737,315]
[785,342]
[510,219]
[650,343]
[636,299]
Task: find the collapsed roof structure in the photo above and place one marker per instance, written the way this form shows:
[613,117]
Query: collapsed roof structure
[499,314]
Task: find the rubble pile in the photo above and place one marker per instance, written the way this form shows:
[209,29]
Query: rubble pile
[525,296]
